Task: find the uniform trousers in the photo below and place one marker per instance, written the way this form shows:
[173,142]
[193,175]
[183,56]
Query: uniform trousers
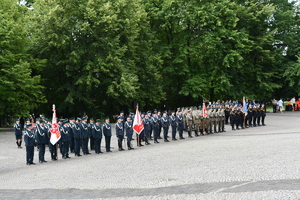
[29,154]
[42,152]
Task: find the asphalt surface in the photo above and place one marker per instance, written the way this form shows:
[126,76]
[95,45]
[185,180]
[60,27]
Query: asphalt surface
[255,163]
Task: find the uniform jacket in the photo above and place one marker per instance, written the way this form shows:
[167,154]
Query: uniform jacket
[29,138]
[107,129]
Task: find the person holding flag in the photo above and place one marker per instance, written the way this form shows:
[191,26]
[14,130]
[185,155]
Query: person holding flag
[55,135]
[138,126]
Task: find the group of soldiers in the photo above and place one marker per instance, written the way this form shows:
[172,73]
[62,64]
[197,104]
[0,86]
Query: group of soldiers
[75,137]
[77,134]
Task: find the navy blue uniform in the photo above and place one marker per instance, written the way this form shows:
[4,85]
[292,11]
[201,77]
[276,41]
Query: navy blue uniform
[173,123]
[72,142]
[41,139]
[18,131]
[92,139]
[147,126]
[85,138]
[179,118]
[155,125]
[107,134]
[77,138]
[65,141]
[120,134]
[129,133]
[165,125]
[97,136]
[29,143]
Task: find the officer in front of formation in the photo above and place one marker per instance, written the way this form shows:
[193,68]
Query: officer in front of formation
[18,133]
[41,139]
[129,132]
[29,143]
[120,133]
[91,137]
[97,135]
[65,139]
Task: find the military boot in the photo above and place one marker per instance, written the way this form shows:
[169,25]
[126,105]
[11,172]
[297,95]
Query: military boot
[190,135]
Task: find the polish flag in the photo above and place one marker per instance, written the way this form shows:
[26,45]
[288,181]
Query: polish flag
[55,134]
[138,125]
[204,110]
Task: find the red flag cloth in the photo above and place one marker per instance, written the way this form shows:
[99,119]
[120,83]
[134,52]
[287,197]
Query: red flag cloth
[204,110]
[138,125]
[55,134]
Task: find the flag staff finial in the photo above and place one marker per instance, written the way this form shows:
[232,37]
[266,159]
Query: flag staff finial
[53,106]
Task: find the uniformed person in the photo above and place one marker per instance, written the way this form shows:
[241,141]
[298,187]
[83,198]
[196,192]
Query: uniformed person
[173,124]
[107,134]
[129,132]
[29,143]
[65,139]
[18,133]
[165,125]
[189,122]
[41,138]
[254,114]
[147,125]
[232,118]
[120,133]
[76,129]
[85,136]
[155,124]
[227,113]
[180,123]
[258,114]
[249,115]
[196,122]
[92,140]
[263,114]
[71,132]
[97,135]
[159,124]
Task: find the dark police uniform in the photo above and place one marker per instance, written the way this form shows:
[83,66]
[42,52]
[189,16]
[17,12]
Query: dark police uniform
[173,123]
[129,133]
[18,134]
[29,143]
[107,135]
[155,125]
[41,138]
[180,125]
[85,138]
[65,140]
[76,129]
[120,134]
[97,135]
[165,125]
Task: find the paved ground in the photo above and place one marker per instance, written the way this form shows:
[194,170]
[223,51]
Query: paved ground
[256,163]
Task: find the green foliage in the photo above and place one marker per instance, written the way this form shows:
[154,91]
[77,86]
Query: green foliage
[20,89]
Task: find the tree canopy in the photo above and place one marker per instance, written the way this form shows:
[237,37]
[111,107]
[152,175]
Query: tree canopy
[105,55]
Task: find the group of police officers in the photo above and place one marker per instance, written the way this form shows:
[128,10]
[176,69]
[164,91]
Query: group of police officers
[76,134]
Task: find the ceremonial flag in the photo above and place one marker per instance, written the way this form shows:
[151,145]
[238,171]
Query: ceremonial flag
[204,110]
[138,125]
[245,110]
[55,134]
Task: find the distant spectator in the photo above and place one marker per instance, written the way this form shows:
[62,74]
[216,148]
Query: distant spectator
[293,101]
[274,102]
[280,104]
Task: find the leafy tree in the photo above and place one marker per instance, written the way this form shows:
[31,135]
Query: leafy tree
[20,89]
[99,54]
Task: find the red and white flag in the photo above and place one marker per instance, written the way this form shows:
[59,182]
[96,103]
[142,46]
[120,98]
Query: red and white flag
[204,110]
[55,134]
[138,125]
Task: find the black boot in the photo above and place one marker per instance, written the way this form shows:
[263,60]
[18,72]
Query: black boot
[155,141]
[18,144]
[189,133]
[146,141]
[196,134]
